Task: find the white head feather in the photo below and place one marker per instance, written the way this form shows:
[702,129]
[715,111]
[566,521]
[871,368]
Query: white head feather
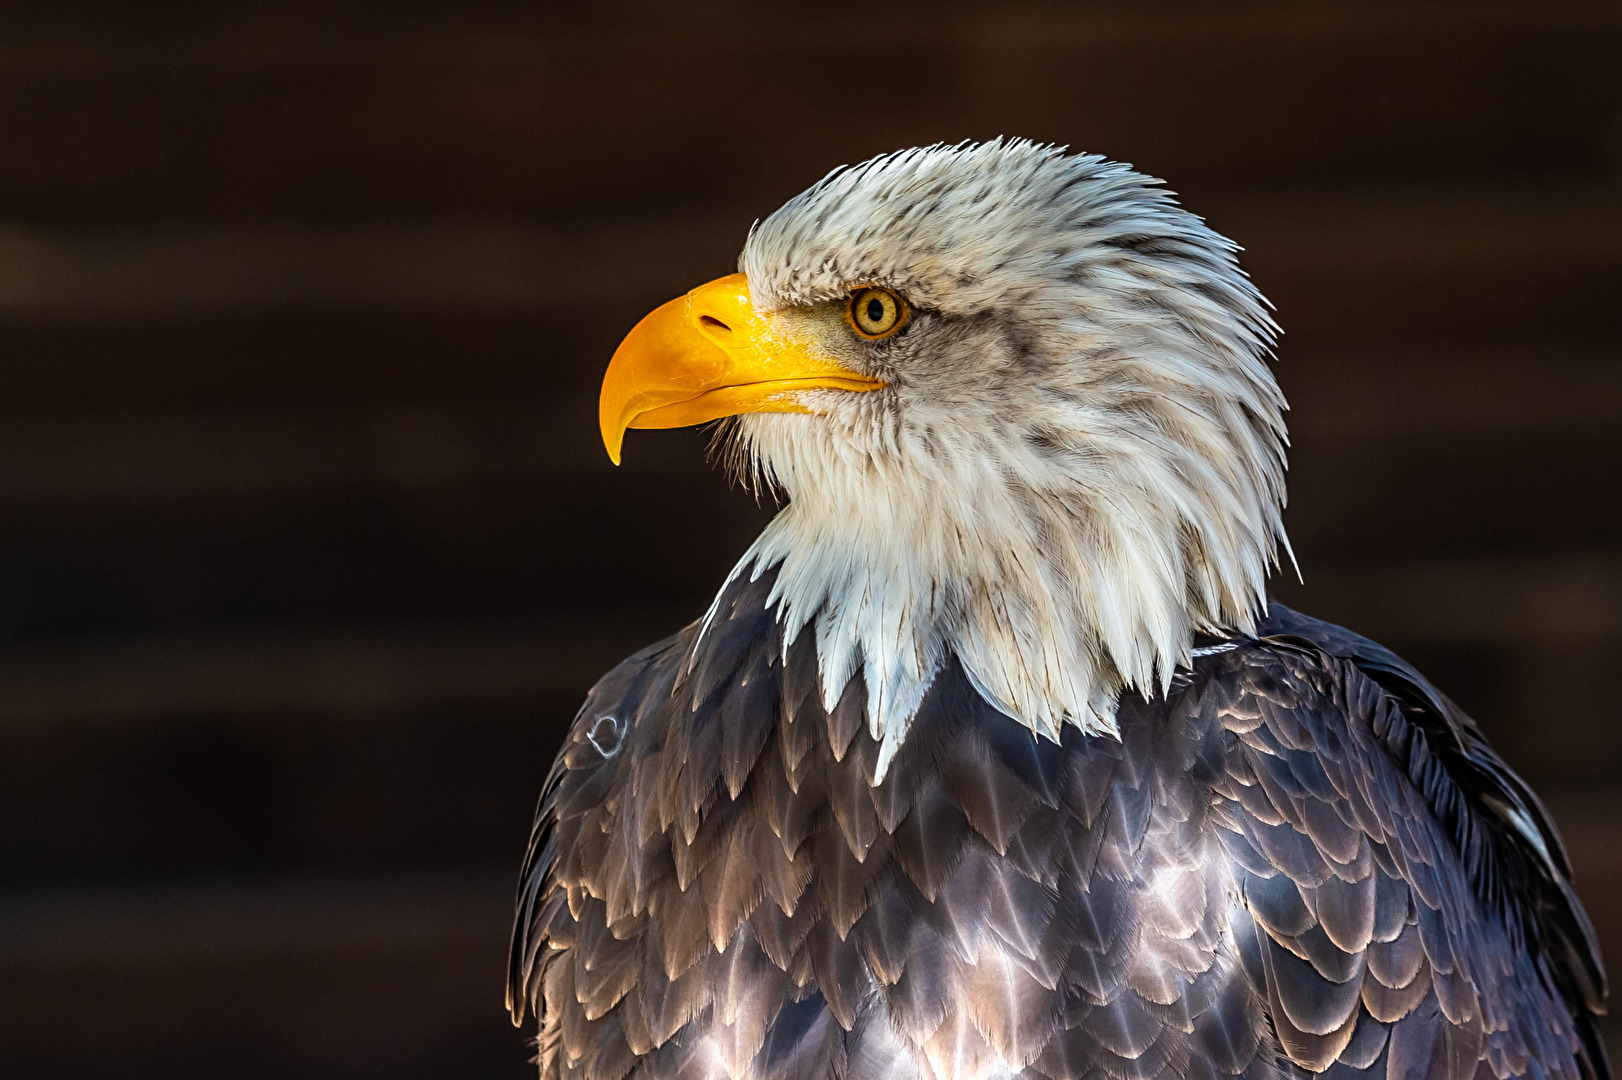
[1078,461]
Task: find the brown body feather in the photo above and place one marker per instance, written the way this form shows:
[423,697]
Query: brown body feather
[1300,860]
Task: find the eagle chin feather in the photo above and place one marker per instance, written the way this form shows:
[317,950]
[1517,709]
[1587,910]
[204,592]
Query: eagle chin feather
[1081,460]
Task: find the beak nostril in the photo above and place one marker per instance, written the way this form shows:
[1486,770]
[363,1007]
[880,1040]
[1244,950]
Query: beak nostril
[710,322]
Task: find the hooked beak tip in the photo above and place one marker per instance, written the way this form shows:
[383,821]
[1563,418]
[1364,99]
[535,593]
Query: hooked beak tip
[613,442]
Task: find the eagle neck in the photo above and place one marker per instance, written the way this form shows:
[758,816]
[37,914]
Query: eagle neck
[889,606]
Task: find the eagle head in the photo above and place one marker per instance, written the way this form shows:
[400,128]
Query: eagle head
[1020,404]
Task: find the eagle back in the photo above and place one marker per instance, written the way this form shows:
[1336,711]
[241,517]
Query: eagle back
[1300,860]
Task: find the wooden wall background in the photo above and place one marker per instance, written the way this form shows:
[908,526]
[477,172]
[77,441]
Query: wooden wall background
[308,549]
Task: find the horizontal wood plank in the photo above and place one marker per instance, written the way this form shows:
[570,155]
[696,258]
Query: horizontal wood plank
[286,110]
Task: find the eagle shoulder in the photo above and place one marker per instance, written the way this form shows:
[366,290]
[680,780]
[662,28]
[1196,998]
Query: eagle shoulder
[638,763]
[566,817]
[1410,903]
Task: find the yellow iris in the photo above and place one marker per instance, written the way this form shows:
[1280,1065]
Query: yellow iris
[877,313]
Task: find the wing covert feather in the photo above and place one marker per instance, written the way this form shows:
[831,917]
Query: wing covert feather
[1373,870]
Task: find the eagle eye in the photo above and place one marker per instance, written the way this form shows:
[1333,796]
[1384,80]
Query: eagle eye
[877,313]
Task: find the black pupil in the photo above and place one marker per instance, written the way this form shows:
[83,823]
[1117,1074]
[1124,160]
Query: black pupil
[875,310]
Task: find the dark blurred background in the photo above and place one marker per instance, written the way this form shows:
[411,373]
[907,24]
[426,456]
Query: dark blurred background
[309,549]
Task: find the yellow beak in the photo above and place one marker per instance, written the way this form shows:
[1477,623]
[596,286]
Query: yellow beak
[707,355]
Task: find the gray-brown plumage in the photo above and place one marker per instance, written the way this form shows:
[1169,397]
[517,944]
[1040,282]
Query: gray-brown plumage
[1285,854]
[1302,857]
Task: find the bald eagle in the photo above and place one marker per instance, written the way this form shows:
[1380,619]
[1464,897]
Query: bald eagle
[992,757]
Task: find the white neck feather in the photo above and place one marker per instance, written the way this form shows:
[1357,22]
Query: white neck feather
[1078,461]
[1057,575]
